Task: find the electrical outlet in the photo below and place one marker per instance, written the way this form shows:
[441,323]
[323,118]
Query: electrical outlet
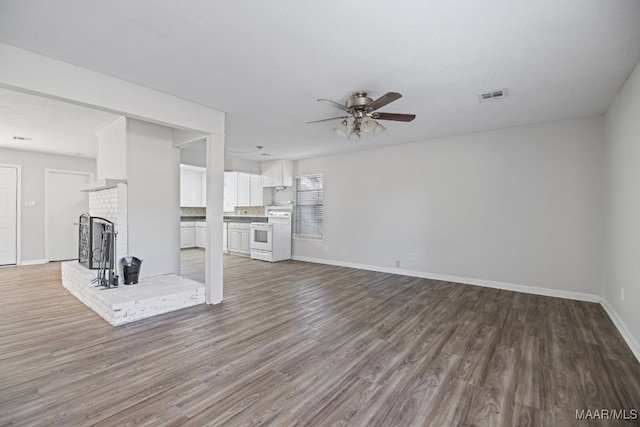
[413,257]
[622,294]
[397,263]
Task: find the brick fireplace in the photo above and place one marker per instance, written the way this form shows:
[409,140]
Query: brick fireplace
[108,200]
[123,304]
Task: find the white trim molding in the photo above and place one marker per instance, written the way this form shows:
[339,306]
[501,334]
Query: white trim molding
[622,328]
[34,262]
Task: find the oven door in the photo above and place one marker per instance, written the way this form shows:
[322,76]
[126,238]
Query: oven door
[261,236]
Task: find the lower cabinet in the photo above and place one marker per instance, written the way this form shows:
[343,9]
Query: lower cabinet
[187,234]
[235,236]
[201,235]
[225,237]
[239,238]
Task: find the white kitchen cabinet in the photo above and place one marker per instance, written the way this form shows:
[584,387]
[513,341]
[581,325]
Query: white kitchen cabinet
[277,173]
[201,234]
[187,234]
[193,191]
[234,240]
[239,238]
[241,189]
[256,190]
[245,242]
[230,191]
[225,237]
[244,189]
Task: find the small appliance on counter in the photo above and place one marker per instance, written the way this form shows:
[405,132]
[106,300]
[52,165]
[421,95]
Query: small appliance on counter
[271,241]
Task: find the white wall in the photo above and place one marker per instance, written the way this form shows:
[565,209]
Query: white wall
[111,158]
[193,158]
[153,178]
[242,165]
[33,166]
[519,206]
[622,254]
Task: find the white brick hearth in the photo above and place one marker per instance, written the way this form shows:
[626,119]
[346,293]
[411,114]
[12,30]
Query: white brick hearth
[150,297]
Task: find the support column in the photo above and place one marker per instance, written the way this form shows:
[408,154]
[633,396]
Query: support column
[215,197]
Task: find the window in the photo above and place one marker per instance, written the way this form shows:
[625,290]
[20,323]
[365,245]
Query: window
[308,206]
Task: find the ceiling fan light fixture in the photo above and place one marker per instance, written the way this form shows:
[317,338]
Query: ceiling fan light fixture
[341,129]
[368,124]
[363,115]
[378,129]
[354,136]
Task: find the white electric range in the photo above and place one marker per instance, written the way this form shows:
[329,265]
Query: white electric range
[271,240]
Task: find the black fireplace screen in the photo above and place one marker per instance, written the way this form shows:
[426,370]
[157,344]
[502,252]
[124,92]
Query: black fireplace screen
[95,242]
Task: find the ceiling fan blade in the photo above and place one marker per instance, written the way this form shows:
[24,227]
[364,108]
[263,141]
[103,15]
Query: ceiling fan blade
[394,117]
[326,120]
[334,104]
[383,100]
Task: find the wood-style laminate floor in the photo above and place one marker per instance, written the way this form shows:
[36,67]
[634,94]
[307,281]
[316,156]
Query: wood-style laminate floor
[304,344]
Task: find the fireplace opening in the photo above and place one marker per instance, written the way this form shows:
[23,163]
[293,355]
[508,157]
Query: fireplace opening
[96,242]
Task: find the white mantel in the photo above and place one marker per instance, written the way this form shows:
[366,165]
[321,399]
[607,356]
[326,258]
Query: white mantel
[102,184]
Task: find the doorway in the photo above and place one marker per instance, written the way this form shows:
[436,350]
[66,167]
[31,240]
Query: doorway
[8,215]
[63,204]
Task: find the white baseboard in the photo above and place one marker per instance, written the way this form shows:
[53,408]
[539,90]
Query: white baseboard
[465,280]
[622,328]
[34,262]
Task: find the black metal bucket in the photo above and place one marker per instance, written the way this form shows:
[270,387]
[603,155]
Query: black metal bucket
[130,269]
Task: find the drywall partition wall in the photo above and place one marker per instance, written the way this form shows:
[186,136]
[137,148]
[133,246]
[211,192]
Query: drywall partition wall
[519,206]
[48,77]
[193,158]
[153,189]
[33,166]
[242,165]
[622,255]
[111,158]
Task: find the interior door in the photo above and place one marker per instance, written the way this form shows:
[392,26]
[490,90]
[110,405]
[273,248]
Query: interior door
[64,202]
[8,215]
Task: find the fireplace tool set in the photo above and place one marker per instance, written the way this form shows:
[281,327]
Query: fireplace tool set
[107,277]
[97,249]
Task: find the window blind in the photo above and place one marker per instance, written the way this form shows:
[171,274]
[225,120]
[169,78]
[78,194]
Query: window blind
[308,206]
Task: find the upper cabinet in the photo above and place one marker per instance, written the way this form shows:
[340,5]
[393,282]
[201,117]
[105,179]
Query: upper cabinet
[256,190]
[193,186]
[277,173]
[230,191]
[242,189]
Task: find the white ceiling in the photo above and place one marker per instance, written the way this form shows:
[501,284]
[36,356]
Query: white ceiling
[50,126]
[266,63]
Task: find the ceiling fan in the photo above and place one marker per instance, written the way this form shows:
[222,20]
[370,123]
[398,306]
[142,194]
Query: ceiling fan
[363,115]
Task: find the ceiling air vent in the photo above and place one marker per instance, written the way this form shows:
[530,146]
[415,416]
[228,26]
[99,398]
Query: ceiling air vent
[492,96]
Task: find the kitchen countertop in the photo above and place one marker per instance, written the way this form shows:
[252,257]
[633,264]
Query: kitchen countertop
[242,218]
[193,218]
[228,218]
